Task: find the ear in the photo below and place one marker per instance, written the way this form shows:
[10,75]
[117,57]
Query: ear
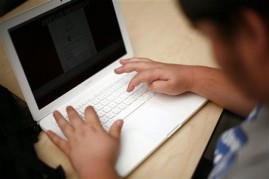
[257,34]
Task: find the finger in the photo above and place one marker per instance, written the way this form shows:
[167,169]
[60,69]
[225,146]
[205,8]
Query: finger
[74,117]
[59,142]
[91,117]
[115,129]
[135,59]
[66,128]
[137,66]
[147,76]
[124,61]
[159,87]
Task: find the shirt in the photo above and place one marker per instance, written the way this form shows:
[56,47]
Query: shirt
[243,151]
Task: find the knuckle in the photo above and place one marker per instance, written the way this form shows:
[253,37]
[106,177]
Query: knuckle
[130,66]
[61,122]
[135,80]
[158,67]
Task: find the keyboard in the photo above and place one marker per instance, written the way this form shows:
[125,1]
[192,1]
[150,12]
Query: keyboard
[113,102]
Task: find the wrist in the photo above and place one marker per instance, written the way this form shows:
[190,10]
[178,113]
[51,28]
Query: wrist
[200,77]
[195,77]
[98,171]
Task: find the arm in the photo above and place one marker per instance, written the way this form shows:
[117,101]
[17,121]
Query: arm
[214,85]
[91,150]
[175,79]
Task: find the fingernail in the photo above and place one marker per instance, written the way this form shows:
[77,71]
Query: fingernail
[119,123]
[55,113]
[129,88]
[68,107]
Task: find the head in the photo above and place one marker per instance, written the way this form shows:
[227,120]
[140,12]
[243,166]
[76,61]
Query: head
[239,34]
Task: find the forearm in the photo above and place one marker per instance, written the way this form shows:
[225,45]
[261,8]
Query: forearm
[214,85]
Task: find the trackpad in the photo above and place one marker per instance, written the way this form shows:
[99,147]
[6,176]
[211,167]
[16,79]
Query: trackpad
[161,115]
[149,126]
[151,121]
[134,149]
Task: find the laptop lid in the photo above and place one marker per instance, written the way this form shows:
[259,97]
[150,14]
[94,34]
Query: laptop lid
[59,48]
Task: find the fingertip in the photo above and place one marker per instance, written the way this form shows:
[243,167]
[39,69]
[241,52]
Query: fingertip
[115,129]
[48,132]
[123,60]
[118,70]
[69,107]
[91,116]
[55,113]
[119,123]
[89,108]
[130,88]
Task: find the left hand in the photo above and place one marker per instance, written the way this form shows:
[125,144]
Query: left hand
[170,79]
[89,147]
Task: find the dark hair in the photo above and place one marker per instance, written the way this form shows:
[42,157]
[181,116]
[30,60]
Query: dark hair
[224,13]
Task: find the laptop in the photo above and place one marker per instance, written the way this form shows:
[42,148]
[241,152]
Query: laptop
[64,52]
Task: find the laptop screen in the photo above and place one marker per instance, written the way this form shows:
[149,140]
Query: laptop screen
[63,47]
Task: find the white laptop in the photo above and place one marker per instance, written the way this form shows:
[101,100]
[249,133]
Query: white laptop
[65,52]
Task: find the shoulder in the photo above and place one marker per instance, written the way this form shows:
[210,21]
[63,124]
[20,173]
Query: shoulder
[244,149]
[252,160]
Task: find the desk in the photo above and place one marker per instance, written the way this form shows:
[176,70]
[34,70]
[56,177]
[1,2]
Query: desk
[158,31]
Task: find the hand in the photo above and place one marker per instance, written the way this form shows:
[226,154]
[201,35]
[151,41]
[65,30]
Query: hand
[89,147]
[163,78]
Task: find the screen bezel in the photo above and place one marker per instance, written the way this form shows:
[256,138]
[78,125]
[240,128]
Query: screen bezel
[37,113]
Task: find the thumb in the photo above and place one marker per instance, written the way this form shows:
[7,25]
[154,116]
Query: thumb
[115,129]
[159,87]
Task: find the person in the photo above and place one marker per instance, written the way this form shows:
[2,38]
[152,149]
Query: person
[238,31]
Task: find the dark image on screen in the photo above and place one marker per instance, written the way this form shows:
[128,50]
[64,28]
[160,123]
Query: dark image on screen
[61,48]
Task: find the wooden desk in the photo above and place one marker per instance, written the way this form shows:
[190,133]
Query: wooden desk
[158,31]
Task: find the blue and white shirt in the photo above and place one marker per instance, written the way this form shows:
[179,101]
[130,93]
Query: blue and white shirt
[243,151]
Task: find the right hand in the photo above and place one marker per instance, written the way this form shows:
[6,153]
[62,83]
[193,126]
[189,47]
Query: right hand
[89,147]
[170,79]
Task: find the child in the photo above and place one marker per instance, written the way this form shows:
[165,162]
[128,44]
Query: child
[239,34]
